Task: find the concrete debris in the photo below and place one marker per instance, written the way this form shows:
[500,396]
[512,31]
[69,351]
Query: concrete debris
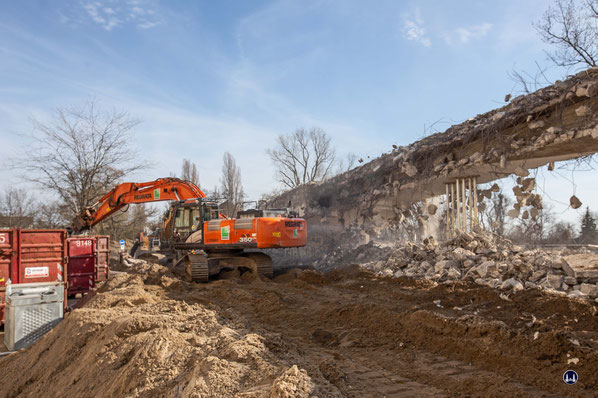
[409,169]
[575,202]
[513,213]
[528,184]
[582,110]
[521,172]
[522,134]
[536,124]
[486,260]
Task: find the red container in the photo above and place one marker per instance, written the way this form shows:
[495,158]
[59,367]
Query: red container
[82,264]
[30,256]
[102,257]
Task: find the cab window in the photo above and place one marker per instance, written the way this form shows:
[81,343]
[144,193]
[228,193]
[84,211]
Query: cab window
[182,218]
[195,217]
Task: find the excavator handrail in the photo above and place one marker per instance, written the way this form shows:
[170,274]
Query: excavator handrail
[168,188]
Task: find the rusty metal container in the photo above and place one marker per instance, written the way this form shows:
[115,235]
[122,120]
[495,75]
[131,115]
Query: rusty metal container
[31,256]
[81,252]
[102,257]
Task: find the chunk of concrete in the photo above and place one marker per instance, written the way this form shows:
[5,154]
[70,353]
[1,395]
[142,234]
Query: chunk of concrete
[590,289]
[453,273]
[575,202]
[444,264]
[576,294]
[537,275]
[521,172]
[570,280]
[585,275]
[462,254]
[512,283]
[487,268]
[554,281]
[567,268]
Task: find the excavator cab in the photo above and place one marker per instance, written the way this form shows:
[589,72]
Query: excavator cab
[189,217]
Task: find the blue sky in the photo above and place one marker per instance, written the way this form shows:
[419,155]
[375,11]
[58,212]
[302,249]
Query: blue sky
[206,77]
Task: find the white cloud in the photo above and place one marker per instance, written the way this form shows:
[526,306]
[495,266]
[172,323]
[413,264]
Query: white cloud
[462,35]
[413,28]
[110,14]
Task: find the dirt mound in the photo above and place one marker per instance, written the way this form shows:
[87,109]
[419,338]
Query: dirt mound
[307,334]
[130,340]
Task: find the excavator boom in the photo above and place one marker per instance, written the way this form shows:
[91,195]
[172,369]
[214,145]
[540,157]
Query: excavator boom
[130,192]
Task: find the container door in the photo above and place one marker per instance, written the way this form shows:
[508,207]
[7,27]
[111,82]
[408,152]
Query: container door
[8,255]
[8,259]
[103,258]
[42,256]
[81,264]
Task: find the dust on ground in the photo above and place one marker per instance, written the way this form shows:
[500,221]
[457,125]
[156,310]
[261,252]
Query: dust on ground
[345,333]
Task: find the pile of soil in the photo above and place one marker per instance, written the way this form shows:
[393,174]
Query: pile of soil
[307,334]
[129,340]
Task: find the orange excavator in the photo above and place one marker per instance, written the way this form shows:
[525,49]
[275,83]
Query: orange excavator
[197,231]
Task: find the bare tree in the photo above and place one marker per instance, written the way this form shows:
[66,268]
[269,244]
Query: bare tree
[347,163]
[189,172]
[533,230]
[80,154]
[17,208]
[303,157]
[495,213]
[232,188]
[52,215]
[572,28]
[561,232]
[127,224]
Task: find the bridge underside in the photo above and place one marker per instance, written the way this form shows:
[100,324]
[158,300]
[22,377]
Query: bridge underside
[557,123]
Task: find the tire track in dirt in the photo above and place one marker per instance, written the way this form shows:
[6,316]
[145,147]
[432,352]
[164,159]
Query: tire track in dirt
[389,338]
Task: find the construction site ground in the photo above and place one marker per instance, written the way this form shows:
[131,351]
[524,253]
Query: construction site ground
[346,333]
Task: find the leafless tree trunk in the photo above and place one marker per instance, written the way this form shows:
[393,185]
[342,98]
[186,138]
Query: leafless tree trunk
[496,213]
[17,209]
[189,172]
[572,28]
[232,188]
[303,157]
[52,215]
[80,154]
[534,231]
[129,223]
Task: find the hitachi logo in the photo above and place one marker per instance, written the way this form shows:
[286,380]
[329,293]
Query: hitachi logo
[143,196]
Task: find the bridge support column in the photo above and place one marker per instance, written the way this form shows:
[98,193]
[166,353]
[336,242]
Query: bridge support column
[461,206]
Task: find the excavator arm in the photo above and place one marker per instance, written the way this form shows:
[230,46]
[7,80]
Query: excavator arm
[130,192]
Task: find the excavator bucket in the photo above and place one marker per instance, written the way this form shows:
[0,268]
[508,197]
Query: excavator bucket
[79,224]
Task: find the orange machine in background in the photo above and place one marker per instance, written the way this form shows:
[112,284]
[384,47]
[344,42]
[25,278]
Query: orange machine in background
[197,232]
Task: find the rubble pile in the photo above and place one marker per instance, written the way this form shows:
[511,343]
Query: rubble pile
[491,261]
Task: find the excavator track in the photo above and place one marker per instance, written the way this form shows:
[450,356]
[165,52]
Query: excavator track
[263,263]
[198,267]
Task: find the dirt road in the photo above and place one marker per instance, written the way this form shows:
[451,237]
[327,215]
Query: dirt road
[348,333]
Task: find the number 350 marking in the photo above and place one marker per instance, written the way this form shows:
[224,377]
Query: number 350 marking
[245,240]
[3,238]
